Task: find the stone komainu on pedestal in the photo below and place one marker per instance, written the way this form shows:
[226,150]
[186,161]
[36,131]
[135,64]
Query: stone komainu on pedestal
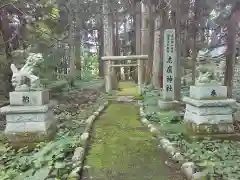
[208,110]
[29,117]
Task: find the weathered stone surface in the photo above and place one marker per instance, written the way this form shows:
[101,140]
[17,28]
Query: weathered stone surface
[25,109]
[29,117]
[32,98]
[208,119]
[208,92]
[201,111]
[30,139]
[204,115]
[29,122]
[223,128]
[209,103]
[168,105]
[78,154]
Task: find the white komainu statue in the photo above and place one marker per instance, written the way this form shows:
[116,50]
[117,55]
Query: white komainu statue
[207,76]
[26,72]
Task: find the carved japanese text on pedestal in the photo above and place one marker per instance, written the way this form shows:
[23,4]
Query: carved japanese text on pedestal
[169,64]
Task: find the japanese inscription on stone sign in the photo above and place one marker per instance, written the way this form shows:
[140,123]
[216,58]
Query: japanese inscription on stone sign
[25,99]
[169,63]
[213,93]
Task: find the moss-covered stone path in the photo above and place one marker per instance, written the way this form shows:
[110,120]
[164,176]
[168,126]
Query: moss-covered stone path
[122,149]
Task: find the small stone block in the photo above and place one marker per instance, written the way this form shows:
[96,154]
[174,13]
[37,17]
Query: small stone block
[226,128]
[209,103]
[29,117]
[30,139]
[29,122]
[208,92]
[208,119]
[202,111]
[25,109]
[31,98]
[168,105]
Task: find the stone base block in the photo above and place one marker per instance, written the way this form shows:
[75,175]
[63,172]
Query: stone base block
[209,103]
[30,139]
[26,109]
[208,92]
[168,105]
[193,128]
[29,128]
[203,111]
[208,119]
[32,98]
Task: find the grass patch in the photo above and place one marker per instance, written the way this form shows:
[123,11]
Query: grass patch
[127,89]
[120,150]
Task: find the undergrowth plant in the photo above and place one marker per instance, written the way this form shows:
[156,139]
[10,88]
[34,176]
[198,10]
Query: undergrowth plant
[219,157]
[49,160]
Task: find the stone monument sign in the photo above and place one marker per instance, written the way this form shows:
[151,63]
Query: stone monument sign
[169,69]
[169,63]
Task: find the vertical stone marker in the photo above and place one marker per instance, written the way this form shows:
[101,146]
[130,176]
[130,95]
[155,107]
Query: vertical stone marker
[169,68]
[169,63]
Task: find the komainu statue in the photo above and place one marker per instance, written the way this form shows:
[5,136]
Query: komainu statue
[20,77]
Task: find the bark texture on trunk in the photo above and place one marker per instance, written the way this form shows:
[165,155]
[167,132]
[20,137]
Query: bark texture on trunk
[151,8]
[156,54]
[230,56]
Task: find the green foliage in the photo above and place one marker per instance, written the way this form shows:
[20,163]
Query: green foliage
[40,163]
[57,86]
[90,66]
[138,97]
[220,158]
[150,100]
[50,160]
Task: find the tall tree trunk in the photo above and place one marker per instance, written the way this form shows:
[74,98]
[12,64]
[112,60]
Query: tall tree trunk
[137,10]
[230,56]
[156,54]
[151,8]
[116,45]
[164,24]
[178,69]
[78,40]
[126,69]
[194,39]
[6,62]
[138,27]
[71,50]
[101,48]
[108,42]
[144,36]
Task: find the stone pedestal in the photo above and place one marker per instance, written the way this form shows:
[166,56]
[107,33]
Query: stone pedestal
[29,118]
[208,111]
[168,105]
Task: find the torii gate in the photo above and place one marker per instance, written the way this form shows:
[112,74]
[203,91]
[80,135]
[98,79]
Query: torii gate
[109,66]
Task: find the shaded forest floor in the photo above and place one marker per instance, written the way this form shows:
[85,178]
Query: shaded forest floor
[122,149]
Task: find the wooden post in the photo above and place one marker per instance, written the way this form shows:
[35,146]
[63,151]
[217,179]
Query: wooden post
[140,67]
[108,77]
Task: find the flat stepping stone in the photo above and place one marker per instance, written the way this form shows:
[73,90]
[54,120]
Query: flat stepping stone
[125,98]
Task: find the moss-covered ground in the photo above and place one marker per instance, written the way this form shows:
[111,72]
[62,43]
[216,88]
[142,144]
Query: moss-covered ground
[127,89]
[122,149]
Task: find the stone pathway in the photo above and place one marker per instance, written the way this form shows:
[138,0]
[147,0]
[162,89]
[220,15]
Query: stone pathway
[121,149]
